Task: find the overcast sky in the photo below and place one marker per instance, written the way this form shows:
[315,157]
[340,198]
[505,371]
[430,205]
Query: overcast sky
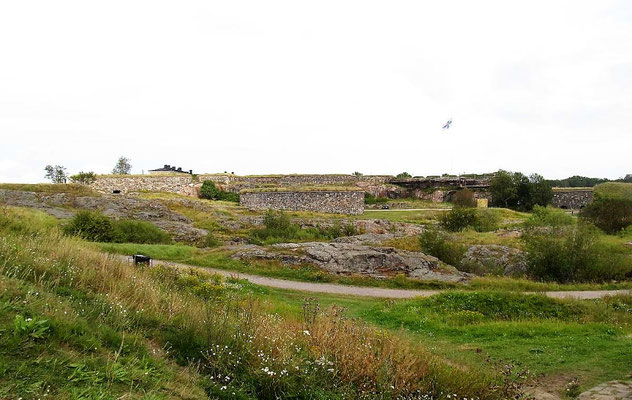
[256,87]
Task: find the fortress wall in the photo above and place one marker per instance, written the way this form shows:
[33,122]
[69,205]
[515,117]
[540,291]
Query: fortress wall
[235,183]
[335,202]
[572,199]
[181,184]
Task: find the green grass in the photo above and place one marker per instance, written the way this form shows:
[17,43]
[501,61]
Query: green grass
[70,188]
[557,338]
[75,324]
[614,189]
[590,340]
[220,258]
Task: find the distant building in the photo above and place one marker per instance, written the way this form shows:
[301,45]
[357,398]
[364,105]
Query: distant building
[168,169]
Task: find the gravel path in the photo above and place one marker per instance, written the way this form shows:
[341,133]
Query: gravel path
[372,291]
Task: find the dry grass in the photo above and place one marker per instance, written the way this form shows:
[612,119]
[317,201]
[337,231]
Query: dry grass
[273,355]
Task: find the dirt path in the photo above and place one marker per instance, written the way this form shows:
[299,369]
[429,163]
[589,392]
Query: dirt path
[333,288]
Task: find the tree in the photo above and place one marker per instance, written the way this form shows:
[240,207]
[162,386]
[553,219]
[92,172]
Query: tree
[403,175]
[541,192]
[56,174]
[628,178]
[122,167]
[610,214]
[503,190]
[85,178]
[517,191]
[358,173]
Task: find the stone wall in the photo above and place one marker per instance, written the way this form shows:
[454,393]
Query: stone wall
[235,183]
[181,184]
[572,199]
[335,202]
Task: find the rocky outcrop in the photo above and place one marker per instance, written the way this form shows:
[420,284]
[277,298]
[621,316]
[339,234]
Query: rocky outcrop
[64,205]
[495,259]
[341,257]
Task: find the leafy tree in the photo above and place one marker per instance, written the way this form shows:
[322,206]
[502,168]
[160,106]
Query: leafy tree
[503,189]
[628,178]
[358,173]
[122,167]
[56,174]
[540,192]
[404,175]
[84,178]
[610,214]
[517,191]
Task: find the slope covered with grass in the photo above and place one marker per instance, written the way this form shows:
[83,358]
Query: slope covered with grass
[75,323]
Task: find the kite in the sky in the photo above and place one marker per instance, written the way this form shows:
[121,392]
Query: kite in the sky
[447,124]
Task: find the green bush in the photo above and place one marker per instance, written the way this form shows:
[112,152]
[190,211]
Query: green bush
[96,227]
[486,220]
[464,198]
[91,226]
[212,192]
[129,231]
[370,199]
[436,243]
[573,254]
[458,218]
[84,178]
[280,228]
[609,214]
[548,216]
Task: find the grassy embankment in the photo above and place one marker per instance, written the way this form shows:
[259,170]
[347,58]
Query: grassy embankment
[75,323]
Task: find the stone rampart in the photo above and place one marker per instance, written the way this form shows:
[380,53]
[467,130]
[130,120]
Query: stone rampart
[181,184]
[236,183]
[572,199]
[335,202]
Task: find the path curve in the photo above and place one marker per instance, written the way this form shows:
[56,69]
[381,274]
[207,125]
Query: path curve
[367,291]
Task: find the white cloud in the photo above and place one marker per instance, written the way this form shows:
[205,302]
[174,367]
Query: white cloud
[281,87]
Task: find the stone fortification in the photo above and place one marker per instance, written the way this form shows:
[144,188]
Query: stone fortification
[181,184]
[326,201]
[572,199]
[236,183]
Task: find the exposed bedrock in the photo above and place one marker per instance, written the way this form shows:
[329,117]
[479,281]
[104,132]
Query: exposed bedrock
[342,257]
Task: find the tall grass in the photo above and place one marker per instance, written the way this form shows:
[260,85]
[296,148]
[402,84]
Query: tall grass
[245,351]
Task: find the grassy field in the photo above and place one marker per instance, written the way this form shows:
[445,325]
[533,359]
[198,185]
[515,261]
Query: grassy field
[615,189]
[555,340]
[77,324]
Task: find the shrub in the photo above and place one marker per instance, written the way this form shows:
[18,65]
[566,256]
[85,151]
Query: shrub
[370,199]
[572,254]
[403,175]
[85,178]
[609,214]
[458,218]
[129,231]
[212,192]
[91,226]
[548,216]
[436,243]
[486,220]
[96,227]
[279,228]
[464,198]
